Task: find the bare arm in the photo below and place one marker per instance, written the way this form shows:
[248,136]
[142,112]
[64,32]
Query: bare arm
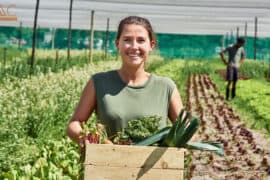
[84,109]
[223,56]
[243,57]
[175,105]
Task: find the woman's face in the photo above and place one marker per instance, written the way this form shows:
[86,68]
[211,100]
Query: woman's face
[134,44]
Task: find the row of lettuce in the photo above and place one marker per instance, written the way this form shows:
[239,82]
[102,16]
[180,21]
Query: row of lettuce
[35,111]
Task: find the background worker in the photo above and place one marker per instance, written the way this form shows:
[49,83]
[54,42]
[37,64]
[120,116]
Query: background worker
[236,56]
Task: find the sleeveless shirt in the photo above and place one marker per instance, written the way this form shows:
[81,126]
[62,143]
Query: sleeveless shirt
[118,102]
[235,55]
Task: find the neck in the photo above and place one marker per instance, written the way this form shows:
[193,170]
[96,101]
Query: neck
[133,76]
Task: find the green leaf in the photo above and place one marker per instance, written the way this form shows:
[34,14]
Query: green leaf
[216,148]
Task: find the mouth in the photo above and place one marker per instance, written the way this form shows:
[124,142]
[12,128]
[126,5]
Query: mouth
[134,55]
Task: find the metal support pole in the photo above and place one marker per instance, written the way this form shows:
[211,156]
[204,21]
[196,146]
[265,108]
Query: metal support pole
[237,32]
[34,39]
[255,37]
[106,37]
[91,44]
[222,41]
[69,29]
[227,39]
[53,37]
[232,40]
[20,36]
[246,34]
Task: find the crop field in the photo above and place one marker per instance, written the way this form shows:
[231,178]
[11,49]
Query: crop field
[35,111]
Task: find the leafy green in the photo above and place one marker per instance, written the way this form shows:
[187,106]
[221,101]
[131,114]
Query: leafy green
[138,129]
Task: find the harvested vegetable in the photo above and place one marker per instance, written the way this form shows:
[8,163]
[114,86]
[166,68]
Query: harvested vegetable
[138,129]
[179,134]
[95,134]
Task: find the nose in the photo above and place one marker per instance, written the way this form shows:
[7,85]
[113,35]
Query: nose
[134,44]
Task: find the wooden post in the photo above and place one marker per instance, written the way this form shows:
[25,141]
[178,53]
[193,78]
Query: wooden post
[255,37]
[53,37]
[34,39]
[56,56]
[38,36]
[91,37]
[69,29]
[20,36]
[106,38]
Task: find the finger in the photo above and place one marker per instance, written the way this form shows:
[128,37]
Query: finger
[86,141]
[107,141]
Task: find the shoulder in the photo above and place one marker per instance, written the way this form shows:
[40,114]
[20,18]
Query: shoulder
[242,49]
[103,75]
[102,79]
[163,81]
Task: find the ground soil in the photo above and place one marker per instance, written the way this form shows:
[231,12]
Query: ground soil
[247,152]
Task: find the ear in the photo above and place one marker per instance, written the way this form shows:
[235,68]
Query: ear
[152,45]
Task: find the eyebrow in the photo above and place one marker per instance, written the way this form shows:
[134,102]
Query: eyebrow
[132,36]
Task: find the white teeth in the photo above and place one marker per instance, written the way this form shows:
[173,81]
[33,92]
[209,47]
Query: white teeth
[133,55]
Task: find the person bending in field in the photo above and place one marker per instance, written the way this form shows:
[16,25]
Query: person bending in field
[236,56]
[129,92]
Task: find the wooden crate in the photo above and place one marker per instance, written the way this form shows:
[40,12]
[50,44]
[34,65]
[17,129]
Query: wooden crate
[117,162]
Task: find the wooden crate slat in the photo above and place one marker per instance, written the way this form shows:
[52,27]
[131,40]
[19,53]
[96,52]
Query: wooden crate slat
[134,156]
[120,173]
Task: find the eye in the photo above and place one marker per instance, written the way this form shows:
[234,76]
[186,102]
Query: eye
[126,39]
[141,40]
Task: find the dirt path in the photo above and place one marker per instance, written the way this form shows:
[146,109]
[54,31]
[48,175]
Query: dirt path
[247,152]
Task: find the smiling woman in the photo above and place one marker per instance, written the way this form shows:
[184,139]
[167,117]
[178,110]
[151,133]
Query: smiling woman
[118,96]
[134,45]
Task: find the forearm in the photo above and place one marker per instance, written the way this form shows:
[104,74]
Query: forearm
[74,130]
[223,58]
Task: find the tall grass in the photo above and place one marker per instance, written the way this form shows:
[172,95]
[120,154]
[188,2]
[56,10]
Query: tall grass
[256,69]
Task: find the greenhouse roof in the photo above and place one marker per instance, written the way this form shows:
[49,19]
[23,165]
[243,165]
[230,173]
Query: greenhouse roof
[216,17]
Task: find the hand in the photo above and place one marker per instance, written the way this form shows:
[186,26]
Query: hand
[107,141]
[82,142]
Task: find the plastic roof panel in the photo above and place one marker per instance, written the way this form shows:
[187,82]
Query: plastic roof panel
[181,17]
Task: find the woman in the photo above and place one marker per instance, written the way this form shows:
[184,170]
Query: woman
[130,92]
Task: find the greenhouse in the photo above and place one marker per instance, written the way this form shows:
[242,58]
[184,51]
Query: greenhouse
[50,48]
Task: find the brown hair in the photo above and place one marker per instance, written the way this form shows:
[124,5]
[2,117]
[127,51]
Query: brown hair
[138,21]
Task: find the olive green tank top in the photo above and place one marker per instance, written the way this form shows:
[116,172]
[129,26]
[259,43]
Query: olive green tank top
[118,102]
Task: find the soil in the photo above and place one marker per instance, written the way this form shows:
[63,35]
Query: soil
[223,73]
[247,152]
